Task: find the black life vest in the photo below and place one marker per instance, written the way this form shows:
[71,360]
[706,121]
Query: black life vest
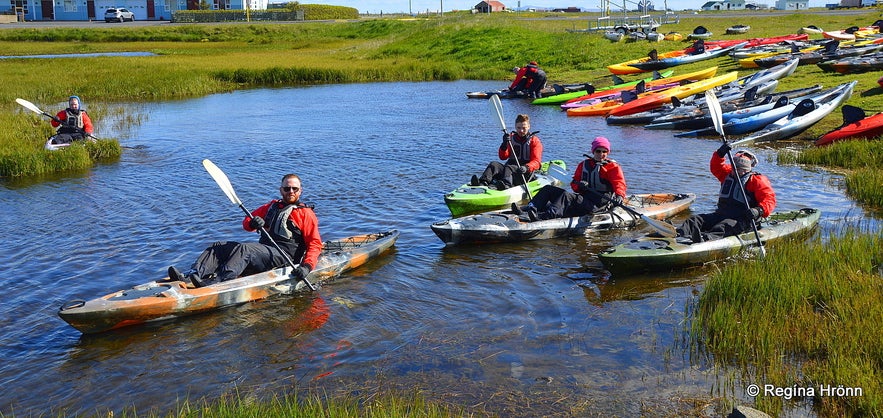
[520,150]
[730,200]
[592,174]
[283,230]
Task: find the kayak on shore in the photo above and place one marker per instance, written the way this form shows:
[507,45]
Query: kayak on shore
[468,199]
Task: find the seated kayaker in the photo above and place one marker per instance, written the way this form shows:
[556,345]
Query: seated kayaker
[598,182]
[73,123]
[290,223]
[530,79]
[523,154]
[732,216]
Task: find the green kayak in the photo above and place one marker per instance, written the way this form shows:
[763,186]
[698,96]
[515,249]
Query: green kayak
[467,199]
[563,97]
[657,253]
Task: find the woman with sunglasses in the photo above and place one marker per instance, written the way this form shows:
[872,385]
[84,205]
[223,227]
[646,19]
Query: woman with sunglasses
[291,224]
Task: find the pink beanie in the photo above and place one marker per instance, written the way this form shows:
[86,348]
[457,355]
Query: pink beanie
[601,142]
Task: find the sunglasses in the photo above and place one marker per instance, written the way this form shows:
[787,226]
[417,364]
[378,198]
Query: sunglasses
[290,189]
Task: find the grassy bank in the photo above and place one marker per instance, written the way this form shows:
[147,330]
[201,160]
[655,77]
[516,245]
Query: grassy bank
[195,60]
[811,324]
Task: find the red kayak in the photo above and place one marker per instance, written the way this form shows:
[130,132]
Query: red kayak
[855,126]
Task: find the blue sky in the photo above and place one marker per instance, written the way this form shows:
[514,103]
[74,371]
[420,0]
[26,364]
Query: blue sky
[421,6]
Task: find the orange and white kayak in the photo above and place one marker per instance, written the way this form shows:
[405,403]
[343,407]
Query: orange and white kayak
[168,299]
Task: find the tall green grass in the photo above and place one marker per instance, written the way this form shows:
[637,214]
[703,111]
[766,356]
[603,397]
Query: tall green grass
[806,315]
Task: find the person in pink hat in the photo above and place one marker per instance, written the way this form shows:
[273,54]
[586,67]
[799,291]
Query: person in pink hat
[598,183]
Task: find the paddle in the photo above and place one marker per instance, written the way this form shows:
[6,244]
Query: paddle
[498,108]
[714,109]
[227,188]
[33,108]
[664,228]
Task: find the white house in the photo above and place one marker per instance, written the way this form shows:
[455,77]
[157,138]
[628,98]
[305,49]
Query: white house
[792,4]
[724,5]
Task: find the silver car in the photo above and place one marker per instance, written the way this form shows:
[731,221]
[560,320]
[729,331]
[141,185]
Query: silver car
[118,15]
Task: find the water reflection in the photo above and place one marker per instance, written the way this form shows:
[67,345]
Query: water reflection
[512,329]
[82,55]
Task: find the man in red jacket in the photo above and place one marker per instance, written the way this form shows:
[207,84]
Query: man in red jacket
[523,154]
[529,79]
[597,182]
[73,123]
[732,216]
[290,223]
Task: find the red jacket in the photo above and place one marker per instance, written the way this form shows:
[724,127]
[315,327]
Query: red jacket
[536,151]
[758,185]
[62,116]
[306,220]
[611,172]
[528,71]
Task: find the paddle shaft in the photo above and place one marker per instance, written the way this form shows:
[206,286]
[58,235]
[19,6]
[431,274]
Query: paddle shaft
[227,188]
[717,117]
[498,107]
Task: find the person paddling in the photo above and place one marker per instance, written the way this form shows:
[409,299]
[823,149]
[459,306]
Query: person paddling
[522,151]
[732,216]
[597,183]
[72,123]
[290,223]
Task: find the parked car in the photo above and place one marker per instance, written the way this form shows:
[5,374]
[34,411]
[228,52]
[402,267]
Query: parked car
[118,15]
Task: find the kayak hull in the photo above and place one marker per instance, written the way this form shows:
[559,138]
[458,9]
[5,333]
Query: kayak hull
[168,299]
[661,254]
[505,226]
[468,199]
[867,128]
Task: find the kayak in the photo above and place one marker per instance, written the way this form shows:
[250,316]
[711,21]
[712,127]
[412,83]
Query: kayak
[806,114]
[738,29]
[658,99]
[563,97]
[854,127]
[506,226]
[552,90]
[648,85]
[53,143]
[627,67]
[659,253]
[662,63]
[167,298]
[468,199]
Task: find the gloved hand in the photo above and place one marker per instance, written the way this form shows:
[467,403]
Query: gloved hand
[57,120]
[616,199]
[506,137]
[583,186]
[256,222]
[301,271]
[521,169]
[754,213]
[724,149]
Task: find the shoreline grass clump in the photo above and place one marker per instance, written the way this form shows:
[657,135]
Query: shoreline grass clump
[805,319]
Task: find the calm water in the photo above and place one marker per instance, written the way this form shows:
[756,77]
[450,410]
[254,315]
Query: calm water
[518,329]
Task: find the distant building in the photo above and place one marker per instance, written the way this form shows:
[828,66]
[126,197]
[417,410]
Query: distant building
[490,6]
[570,9]
[724,5]
[792,4]
[74,10]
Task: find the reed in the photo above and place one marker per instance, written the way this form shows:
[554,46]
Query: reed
[804,326]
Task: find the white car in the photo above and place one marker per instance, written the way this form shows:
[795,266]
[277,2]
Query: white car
[118,15]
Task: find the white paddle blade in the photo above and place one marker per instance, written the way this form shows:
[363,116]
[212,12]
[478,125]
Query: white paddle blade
[714,110]
[664,228]
[222,180]
[560,174]
[497,105]
[30,106]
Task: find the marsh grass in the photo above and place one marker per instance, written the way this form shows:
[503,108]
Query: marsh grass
[806,315]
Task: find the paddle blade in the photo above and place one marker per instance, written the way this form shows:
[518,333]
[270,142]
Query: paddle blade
[664,228]
[30,106]
[222,180]
[497,107]
[560,174]
[714,110]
